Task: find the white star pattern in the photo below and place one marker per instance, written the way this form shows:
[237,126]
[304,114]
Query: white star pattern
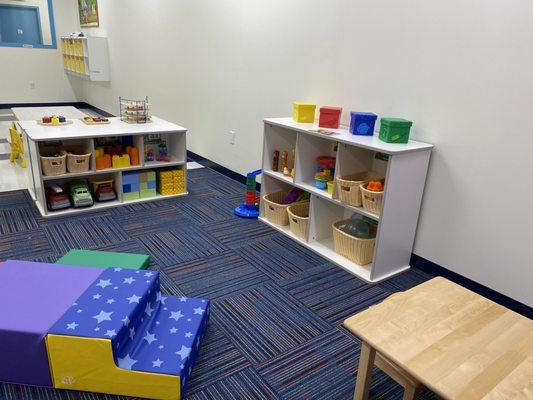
[117,269]
[148,274]
[97,296]
[150,337]
[126,320]
[79,311]
[129,280]
[157,363]
[103,316]
[183,299]
[160,298]
[126,362]
[176,315]
[137,272]
[111,333]
[188,334]
[134,299]
[97,329]
[110,301]
[199,310]
[72,325]
[148,310]
[132,333]
[161,347]
[183,352]
[189,320]
[104,283]
[173,330]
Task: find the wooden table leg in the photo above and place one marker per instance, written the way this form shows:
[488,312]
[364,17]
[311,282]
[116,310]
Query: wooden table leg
[364,373]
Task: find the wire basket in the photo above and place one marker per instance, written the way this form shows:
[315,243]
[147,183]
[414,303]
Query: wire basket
[134,111]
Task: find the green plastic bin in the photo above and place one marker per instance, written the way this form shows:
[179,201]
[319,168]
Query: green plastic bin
[104,259]
[394,130]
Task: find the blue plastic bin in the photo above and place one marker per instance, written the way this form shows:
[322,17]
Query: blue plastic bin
[362,123]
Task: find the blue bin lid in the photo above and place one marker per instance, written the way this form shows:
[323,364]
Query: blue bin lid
[364,115]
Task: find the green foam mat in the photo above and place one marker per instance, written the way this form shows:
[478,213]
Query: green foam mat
[104,259]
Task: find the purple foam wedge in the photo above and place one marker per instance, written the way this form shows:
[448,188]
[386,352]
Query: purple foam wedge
[33,296]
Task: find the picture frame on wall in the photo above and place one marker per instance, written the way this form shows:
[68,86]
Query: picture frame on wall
[88,10]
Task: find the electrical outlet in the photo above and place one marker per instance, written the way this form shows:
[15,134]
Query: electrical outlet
[232,137]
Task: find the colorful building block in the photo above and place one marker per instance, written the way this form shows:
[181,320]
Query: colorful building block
[105,259]
[121,161]
[33,296]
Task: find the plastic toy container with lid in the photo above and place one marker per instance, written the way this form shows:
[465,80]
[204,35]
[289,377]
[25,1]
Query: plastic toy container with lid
[362,123]
[303,112]
[330,117]
[394,130]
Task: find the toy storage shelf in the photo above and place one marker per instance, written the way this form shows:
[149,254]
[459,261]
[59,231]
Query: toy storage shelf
[83,135]
[86,57]
[404,167]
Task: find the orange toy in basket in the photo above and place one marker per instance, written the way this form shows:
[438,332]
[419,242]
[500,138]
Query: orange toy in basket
[375,186]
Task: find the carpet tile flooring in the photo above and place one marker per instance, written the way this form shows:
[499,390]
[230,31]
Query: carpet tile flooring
[275,329]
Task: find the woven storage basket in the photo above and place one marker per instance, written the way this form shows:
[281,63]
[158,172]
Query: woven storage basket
[54,165]
[78,162]
[348,186]
[274,210]
[360,251]
[371,200]
[299,219]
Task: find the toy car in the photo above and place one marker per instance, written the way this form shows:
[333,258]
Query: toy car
[79,192]
[104,190]
[56,198]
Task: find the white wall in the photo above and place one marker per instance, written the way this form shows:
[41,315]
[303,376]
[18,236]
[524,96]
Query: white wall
[20,67]
[460,69]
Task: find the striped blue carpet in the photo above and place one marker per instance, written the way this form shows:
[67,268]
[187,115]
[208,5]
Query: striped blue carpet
[275,330]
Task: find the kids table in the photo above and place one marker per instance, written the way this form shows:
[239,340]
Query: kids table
[456,342]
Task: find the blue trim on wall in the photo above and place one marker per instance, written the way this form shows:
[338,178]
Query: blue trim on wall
[52,32]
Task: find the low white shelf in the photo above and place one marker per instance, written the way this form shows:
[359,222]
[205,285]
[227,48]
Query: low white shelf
[404,167]
[79,134]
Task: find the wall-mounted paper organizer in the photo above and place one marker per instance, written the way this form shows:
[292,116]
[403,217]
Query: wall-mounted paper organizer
[86,57]
[403,166]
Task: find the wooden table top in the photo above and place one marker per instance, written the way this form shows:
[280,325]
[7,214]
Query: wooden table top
[456,342]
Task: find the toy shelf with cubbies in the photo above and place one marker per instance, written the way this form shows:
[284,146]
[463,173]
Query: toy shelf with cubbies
[403,167]
[61,155]
[86,57]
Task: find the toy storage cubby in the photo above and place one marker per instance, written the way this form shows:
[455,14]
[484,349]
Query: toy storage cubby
[86,57]
[176,149]
[79,135]
[403,166]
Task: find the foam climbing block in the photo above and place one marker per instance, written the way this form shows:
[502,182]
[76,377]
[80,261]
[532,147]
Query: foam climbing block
[105,259]
[33,296]
[123,337]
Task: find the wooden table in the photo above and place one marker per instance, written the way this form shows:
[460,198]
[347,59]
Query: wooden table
[36,113]
[456,342]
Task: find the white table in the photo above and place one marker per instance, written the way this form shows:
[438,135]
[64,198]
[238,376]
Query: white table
[82,135]
[36,113]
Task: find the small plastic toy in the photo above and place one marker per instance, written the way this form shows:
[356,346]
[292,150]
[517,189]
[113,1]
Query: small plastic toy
[283,166]
[249,209]
[80,194]
[53,120]
[104,190]
[56,198]
[121,161]
[95,121]
[275,161]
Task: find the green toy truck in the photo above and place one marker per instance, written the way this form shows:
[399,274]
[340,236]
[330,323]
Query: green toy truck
[80,194]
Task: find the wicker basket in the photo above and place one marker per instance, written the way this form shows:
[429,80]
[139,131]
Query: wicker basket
[371,200]
[348,186]
[299,219]
[54,165]
[274,210]
[78,162]
[360,251]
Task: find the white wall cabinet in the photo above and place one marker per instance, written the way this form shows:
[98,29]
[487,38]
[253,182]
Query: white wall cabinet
[86,57]
[404,167]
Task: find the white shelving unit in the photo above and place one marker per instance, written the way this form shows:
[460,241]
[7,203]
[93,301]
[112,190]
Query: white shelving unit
[86,57]
[78,134]
[404,167]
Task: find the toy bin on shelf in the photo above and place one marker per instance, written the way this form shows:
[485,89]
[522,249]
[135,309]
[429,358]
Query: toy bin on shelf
[54,165]
[299,219]
[78,162]
[330,117]
[131,185]
[395,130]
[360,251]
[371,200]
[349,187]
[303,112]
[275,211]
[362,123]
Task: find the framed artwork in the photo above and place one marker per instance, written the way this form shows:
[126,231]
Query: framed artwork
[88,10]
